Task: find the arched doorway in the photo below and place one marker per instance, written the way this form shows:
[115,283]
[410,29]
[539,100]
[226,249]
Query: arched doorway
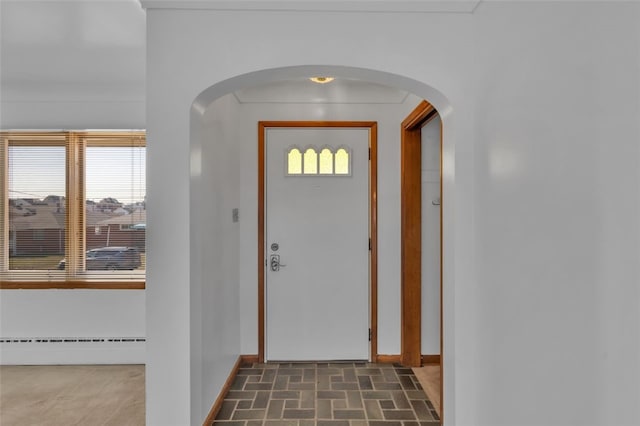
[276,76]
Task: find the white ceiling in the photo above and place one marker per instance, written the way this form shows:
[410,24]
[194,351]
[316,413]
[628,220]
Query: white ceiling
[411,6]
[344,91]
[84,48]
[96,49]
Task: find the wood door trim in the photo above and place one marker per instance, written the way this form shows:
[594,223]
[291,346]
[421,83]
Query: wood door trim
[441,286]
[373,222]
[419,116]
[410,255]
[373,233]
[262,259]
[411,245]
[411,229]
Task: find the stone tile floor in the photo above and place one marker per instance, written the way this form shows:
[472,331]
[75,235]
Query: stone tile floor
[326,394]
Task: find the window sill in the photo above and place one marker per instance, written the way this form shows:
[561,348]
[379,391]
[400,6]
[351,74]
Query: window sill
[69,285]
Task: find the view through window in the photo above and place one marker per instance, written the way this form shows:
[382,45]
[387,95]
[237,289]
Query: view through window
[115,208]
[37,206]
[73,207]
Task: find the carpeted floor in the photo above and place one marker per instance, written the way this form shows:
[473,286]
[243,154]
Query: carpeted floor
[68,395]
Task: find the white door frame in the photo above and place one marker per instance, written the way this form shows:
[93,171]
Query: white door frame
[373,223]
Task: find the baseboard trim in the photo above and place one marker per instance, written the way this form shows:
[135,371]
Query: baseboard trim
[388,359]
[217,405]
[430,359]
[249,359]
[393,359]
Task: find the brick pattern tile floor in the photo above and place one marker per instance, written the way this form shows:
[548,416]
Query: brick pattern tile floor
[326,394]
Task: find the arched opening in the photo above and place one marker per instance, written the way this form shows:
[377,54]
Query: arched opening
[241,144]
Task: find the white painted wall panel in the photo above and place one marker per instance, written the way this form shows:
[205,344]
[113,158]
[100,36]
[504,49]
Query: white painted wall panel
[214,238]
[556,219]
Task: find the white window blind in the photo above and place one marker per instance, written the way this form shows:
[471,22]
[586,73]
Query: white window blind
[36,205]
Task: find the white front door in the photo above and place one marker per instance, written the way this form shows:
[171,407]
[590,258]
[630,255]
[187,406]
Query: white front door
[317,210]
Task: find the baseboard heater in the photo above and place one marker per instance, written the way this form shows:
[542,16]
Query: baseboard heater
[72,350]
[72,340]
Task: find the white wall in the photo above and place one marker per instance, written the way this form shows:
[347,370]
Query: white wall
[557,213]
[64,109]
[215,305]
[540,181]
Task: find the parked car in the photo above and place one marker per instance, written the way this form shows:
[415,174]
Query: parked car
[110,259]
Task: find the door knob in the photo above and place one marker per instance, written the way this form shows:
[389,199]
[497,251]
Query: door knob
[275,263]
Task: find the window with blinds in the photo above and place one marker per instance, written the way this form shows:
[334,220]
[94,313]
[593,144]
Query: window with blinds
[73,209]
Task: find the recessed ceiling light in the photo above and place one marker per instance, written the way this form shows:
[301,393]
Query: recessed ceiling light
[321,80]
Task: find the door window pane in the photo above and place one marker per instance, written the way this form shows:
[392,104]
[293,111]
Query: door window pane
[294,162]
[342,162]
[310,162]
[326,162]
